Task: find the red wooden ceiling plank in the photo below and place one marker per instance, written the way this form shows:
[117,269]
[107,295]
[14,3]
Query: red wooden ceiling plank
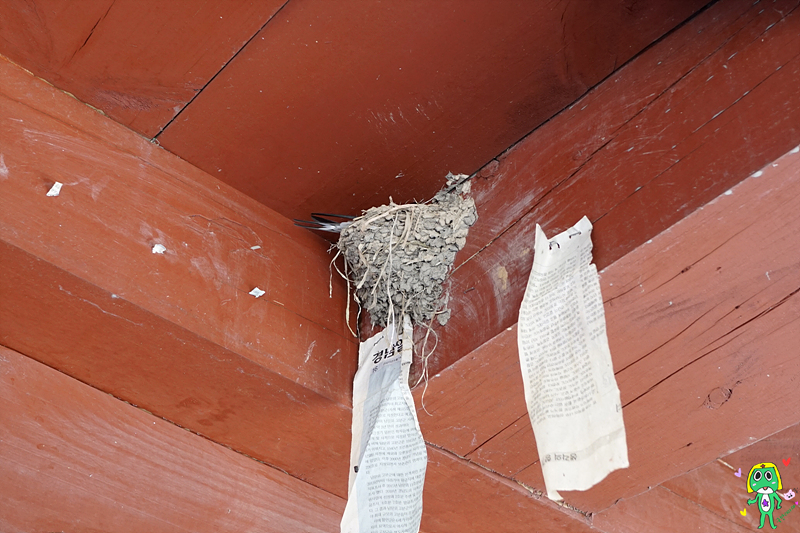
[334,108]
[460,496]
[125,350]
[686,120]
[73,458]
[233,412]
[522,177]
[720,319]
[178,333]
[662,511]
[502,452]
[122,195]
[714,487]
[74,455]
[481,382]
[140,62]
[709,351]
[778,448]
[717,489]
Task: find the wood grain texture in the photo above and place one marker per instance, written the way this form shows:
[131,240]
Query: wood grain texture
[687,119]
[335,107]
[460,496]
[701,321]
[662,511]
[178,333]
[125,350]
[75,459]
[712,489]
[140,61]
[716,487]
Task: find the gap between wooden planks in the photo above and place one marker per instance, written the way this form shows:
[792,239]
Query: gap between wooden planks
[684,121]
[712,495]
[703,327]
[413,103]
[74,457]
[140,66]
[70,454]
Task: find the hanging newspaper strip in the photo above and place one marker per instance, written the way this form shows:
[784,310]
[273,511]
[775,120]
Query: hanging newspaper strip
[572,396]
[387,454]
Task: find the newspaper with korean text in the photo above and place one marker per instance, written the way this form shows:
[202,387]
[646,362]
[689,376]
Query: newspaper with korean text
[388,457]
[572,395]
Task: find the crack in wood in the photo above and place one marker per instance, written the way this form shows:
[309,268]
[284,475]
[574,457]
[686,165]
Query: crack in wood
[482,444]
[677,371]
[612,136]
[91,32]
[759,315]
[674,337]
[615,133]
[197,92]
[508,481]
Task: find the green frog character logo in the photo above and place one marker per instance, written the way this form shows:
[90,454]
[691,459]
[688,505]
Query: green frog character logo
[765,480]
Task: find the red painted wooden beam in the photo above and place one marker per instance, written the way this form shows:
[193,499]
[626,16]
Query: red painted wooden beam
[72,456]
[176,333]
[75,459]
[462,496]
[703,329]
[713,494]
[683,122]
[662,511]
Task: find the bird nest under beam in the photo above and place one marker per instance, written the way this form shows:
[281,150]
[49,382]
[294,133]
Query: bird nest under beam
[398,256]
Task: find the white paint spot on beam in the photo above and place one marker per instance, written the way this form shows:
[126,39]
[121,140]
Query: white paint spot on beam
[258,293]
[310,349]
[55,190]
[3,168]
[758,174]
[795,150]
[158,249]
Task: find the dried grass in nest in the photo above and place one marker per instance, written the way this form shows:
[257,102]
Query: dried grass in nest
[399,256]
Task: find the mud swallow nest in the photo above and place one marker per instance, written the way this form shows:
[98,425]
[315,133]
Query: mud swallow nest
[398,256]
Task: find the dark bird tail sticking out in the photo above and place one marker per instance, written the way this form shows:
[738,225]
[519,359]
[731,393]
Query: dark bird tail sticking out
[321,223]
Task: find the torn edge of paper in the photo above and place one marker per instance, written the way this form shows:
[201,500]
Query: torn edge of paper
[572,396]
